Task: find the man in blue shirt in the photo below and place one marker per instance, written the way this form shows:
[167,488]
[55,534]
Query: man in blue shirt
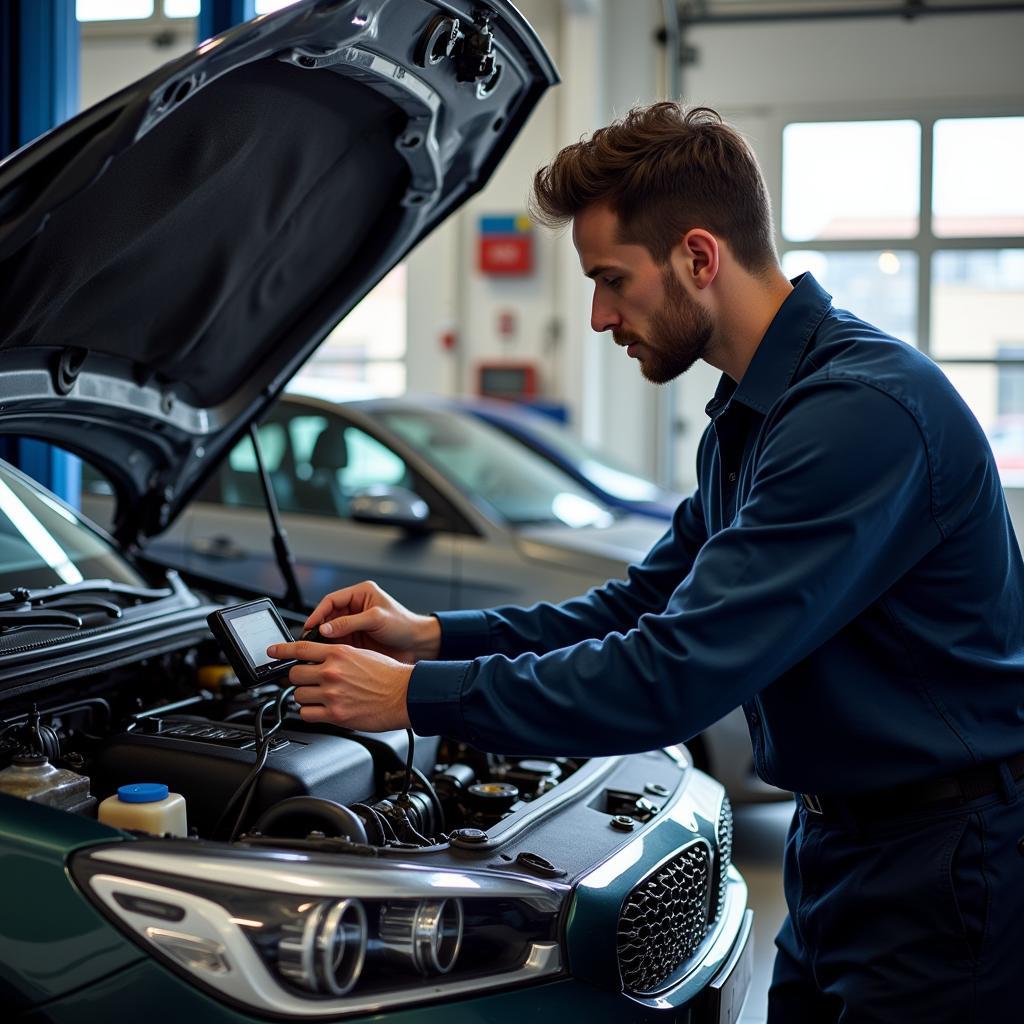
[846,570]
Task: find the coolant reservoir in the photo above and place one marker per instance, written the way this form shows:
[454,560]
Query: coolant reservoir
[146,806]
[32,777]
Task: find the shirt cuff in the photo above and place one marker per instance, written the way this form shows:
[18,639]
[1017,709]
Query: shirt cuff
[434,700]
[463,634]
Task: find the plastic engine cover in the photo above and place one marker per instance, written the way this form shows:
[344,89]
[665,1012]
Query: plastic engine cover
[206,762]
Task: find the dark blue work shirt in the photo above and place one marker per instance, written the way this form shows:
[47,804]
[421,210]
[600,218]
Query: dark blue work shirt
[846,570]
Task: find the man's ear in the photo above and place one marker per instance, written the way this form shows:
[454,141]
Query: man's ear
[701,256]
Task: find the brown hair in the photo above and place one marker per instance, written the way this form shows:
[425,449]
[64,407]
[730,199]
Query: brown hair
[664,170]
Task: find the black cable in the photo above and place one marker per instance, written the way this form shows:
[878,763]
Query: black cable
[240,791]
[408,762]
[432,796]
[250,782]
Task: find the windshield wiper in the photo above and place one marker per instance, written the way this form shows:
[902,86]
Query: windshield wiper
[14,619]
[22,596]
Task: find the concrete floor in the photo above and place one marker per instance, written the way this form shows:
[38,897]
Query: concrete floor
[760,832]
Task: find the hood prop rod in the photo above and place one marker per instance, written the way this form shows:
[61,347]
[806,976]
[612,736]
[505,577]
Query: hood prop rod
[282,552]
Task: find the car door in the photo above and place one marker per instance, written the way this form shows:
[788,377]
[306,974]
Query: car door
[316,460]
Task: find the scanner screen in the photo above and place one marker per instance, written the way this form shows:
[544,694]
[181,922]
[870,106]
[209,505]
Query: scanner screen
[256,632]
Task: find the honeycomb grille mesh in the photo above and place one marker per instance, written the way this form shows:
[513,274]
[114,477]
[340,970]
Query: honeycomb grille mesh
[724,833]
[664,919]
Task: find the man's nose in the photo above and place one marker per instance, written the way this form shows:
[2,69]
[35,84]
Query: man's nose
[603,317]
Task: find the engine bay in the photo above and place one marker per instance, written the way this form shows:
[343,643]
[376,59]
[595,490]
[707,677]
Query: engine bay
[184,721]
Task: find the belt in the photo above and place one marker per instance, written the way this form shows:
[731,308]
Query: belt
[933,795]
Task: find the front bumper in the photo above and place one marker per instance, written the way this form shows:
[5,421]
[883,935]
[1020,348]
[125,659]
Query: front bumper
[148,992]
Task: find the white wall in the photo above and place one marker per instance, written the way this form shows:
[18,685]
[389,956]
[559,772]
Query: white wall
[110,62]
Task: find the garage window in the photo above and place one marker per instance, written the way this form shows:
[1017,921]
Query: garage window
[918,226]
[364,356]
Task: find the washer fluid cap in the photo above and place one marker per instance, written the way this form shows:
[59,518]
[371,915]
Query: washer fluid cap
[142,793]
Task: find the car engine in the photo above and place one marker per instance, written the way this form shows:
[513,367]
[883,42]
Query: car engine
[202,738]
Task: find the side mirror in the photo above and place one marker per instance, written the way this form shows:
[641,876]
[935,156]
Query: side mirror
[383,505]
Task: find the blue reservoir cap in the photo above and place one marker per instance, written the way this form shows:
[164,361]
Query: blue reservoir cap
[142,793]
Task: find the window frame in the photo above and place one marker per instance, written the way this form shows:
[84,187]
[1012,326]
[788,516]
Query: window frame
[925,244]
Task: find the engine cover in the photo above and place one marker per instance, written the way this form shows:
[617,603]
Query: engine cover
[206,761]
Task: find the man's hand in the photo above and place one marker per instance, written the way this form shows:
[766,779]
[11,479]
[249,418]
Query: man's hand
[364,616]
[356,689]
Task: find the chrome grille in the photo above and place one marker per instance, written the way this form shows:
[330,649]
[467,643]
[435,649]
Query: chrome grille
[665,918]
[724,834]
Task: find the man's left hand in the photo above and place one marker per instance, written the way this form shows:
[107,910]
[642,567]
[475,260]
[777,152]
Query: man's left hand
[347,686]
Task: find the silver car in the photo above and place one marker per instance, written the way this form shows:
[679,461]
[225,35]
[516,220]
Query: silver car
[442,510]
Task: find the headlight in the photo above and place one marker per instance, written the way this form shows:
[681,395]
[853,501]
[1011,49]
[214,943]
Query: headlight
[318,936]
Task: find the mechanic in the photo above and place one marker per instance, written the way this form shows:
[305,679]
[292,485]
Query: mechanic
[846,570]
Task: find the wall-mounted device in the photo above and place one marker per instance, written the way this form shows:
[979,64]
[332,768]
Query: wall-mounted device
[514,381]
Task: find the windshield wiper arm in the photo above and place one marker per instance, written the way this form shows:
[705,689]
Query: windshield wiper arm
[30,618]
[45,595]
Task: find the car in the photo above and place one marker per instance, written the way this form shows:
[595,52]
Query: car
[609,481]
[442,509]
[170,257]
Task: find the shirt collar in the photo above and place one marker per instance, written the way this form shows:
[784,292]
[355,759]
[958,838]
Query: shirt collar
[778,354]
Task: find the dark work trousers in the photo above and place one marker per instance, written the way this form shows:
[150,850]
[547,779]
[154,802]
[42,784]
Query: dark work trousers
[916,920]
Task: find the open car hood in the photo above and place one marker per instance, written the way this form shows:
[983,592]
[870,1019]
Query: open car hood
[170,257]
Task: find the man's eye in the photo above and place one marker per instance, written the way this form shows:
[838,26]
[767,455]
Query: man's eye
[615,283]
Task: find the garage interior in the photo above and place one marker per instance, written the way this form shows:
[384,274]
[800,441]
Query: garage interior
[891,135]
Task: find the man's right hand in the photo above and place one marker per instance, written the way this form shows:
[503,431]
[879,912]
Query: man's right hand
[364,616]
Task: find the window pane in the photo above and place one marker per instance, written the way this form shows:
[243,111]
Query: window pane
[851,179]
[880,287]
[340,379]
[181,8]
[979,165]
[996,396]
[375,329]
[363,356]
[978,304]
[112,10]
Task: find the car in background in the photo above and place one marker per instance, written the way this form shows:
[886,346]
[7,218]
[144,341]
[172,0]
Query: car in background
[603,475]
[441,509]
[170,258]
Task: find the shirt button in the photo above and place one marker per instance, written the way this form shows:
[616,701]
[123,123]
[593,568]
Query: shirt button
[732,478]
[755,718]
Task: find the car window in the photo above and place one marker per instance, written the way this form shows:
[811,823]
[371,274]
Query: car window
[242,458]
[370,462]
[316,463]
[332,461]
[485,463]
[43,544]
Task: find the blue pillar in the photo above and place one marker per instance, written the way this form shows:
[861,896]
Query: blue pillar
[38,90]
[216,16]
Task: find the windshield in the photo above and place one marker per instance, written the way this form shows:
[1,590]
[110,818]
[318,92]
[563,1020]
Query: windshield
[598,467]
[486,463]
[43,544]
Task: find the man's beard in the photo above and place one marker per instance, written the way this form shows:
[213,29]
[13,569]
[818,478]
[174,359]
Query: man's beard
[678,336]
